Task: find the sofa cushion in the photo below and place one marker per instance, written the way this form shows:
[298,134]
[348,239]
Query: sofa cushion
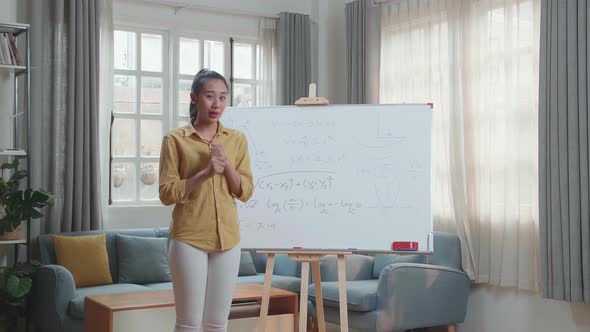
[159,286]
[291,284]
[76,306]
[284,265]
[382,260]
[43,248]
[142,260]
[361,295]
[358,267]
[85,257]
[247,267]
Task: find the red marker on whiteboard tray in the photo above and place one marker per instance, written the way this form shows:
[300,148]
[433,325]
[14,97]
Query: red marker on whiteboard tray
[404,246]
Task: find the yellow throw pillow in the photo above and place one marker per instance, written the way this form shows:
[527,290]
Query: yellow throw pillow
[86,257]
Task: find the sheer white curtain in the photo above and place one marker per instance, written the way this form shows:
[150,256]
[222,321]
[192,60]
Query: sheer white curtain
[477,60]
[267,89]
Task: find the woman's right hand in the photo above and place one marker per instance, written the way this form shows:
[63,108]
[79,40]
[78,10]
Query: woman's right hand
[216,166]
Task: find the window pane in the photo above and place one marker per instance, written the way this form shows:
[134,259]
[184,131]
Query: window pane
[243,61]
[123,181]
[184,98]
[123,137]
[124,50]
[151,52]
[214,56]
[151,137]
[189,62]
[124,94]
[242,94]
[151,95]
[182,121]
[259,57]
[148,187]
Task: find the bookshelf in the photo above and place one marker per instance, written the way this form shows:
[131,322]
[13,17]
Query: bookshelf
[18,72]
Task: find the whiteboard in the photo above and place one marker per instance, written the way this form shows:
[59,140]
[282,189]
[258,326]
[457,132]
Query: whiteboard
[339,177]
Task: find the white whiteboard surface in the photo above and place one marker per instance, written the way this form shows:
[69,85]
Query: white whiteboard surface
[337,177]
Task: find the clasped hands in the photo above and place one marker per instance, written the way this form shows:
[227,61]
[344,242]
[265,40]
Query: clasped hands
[218,161]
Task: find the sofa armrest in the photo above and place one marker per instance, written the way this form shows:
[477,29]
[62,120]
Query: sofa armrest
[412,295]
[53,291]
[358,267]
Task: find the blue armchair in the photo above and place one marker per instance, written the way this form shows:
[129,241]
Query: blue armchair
[387,292]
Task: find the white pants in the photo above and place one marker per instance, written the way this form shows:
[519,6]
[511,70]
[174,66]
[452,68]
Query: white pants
[203,286]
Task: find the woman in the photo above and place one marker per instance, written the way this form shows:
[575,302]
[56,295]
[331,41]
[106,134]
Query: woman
[203,167]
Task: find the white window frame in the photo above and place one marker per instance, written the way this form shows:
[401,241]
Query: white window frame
[254,81]
[137,116]
[176,76]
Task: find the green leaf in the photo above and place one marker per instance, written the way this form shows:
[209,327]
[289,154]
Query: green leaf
[36,214]
[18,287]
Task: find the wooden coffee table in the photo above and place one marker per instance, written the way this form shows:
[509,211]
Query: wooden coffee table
[154,310]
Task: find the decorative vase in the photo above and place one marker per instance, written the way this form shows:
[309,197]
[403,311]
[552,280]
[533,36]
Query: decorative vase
[119,175]
[16,234]
[148,175]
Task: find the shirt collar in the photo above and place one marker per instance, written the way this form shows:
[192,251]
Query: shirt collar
[188,130]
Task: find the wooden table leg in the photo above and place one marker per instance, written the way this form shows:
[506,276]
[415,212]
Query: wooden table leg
[270,264]
[303,296]
[319,301]
[342,292]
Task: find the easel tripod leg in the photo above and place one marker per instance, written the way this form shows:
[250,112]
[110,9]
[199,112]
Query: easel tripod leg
[270,263]
[303,296]
[319,301]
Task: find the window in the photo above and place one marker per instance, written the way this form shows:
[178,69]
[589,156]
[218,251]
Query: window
[195,53]
[149,99]
[250,86]
[139,113]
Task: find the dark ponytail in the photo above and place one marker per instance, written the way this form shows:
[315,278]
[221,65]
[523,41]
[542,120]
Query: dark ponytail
[198,82]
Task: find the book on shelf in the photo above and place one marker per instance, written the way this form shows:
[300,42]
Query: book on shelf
[9,53]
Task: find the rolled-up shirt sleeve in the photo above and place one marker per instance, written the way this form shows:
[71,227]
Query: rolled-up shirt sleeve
[172,188]
[244,169]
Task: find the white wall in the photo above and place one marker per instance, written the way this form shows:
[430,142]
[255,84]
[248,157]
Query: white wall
[492,309]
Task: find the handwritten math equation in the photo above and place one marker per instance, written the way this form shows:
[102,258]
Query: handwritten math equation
[324,183]
[293,205]
[307,141]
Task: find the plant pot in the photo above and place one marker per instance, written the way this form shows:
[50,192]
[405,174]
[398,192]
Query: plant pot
[149,175]
[119,175]
[16,234]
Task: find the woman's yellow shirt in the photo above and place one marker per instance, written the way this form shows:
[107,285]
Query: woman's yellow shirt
[207,218]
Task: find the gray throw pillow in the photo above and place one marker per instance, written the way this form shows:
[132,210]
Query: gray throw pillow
[142,260]
[247,267]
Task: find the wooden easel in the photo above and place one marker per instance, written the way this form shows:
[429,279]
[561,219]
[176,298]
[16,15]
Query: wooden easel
[306,257]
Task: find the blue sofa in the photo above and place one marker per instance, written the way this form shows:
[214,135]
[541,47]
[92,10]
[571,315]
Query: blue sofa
[58,306]
[388,292]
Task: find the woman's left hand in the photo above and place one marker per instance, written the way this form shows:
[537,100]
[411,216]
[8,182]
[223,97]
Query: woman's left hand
[218,150]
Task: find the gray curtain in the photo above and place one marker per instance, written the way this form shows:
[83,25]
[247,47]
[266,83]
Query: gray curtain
[564,194]
[64,105]
[356,47]
[294,57]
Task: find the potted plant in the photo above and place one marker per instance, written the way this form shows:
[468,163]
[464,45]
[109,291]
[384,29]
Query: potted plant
[16,204]
[15,285]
